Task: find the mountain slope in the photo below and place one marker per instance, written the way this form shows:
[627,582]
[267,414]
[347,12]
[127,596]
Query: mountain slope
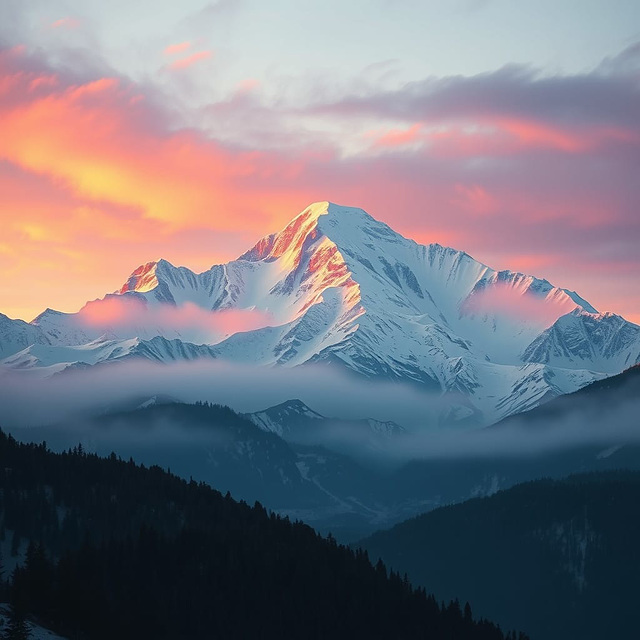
[35,631]
[16,335]
[140,553]
[49,359]
[606,342]
[608,408]
[559,557]
[296,422]
[337,286]
[208,442]
[348,478]
[214,444]
[285,419]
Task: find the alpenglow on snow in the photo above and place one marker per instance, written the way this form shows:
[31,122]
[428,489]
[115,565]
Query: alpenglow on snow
[336,285]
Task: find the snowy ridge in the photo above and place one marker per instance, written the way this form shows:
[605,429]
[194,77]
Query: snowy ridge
[16,335]
[49,359]
[278,419]
[274,418]
[605,340]
[298,424]
[336,285]
[294,420]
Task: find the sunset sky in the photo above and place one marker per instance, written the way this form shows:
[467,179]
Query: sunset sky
[131,131]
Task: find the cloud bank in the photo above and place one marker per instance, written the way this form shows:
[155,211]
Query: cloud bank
[64,401]
[26,400]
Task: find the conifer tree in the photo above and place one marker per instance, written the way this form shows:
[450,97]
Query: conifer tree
[17,627]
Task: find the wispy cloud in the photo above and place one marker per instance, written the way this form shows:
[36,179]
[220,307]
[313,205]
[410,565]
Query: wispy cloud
[65,23]
[174,49]
[189,61]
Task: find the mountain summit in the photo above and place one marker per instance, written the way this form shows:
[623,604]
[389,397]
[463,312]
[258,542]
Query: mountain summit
[336,285]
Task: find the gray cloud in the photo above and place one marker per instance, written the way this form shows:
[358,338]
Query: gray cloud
[27,400]
[606,95]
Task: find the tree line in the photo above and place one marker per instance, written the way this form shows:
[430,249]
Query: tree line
[114,549]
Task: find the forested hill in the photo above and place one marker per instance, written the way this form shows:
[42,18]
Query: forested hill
[123,551]
[559,558]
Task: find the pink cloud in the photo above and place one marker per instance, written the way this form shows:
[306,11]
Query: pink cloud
[400,137]
[127,317]
[189,61]
[514,302]
[475,199]
[501,136]
[173,49]
[247,85]
[43,81]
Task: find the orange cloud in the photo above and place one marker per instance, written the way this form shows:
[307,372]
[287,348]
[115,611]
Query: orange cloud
[91,175]
[58,249]
[189,61]
[173,49]
[104,146]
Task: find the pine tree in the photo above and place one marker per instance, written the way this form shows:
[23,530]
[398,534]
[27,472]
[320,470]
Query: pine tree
[468,616]
[17,627]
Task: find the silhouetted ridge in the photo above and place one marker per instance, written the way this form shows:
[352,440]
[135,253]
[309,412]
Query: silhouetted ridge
[118,550]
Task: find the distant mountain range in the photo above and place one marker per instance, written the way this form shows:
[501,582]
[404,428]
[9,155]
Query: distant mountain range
[337,286]
[296,423]
[345,476]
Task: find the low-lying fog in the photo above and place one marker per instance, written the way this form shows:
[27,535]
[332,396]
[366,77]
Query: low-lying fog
[26,401]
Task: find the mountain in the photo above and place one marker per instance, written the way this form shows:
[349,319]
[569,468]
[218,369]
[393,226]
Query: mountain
[606,409]
[337,286]
[207,442]
[346,479]
[48,359]
[214,444]
[581,338]
[16,335]
[294,421]
[559,558]
[116,550]
[287,418]
[594,429]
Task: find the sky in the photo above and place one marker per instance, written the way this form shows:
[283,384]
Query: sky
[131,131]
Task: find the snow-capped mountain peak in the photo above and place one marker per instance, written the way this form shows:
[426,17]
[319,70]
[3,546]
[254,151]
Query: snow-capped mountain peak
[144,278]
[605,341]
[339,286]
